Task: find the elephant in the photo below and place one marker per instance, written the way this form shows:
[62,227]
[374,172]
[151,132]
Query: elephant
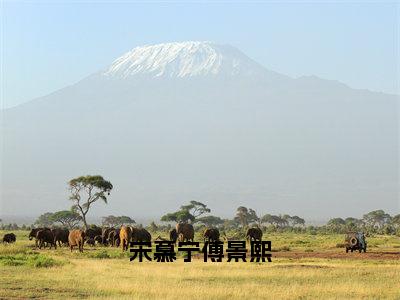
[254,234]
[185,232]
[76,238]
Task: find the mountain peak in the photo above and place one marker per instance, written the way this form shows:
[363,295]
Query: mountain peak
[183,59]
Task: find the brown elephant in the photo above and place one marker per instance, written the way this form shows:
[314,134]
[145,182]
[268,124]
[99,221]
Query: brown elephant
[140,235]
[76,238]
[125,235]
[254,234]
[211,235]
[185,232]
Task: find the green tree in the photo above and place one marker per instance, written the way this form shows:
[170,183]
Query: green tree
[86,190]
[67,218]
[377,218]
[179,216]
[125,220]
[113,221]
[274,220]
[242,215]
[45,220]
[187,212]
[396,221]
[352,224]
[336,224]
[245,216]
[292,220]
[252,216]
[296,220]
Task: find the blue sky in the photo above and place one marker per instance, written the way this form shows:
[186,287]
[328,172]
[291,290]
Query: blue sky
[49,45]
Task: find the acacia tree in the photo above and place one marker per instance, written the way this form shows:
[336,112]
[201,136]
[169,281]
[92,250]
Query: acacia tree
[113,221]
[179,216]
[246,216]
[196,208]
[86,190]
[274,220]
[293,220]
[187,213]
[67,218]
[296,220]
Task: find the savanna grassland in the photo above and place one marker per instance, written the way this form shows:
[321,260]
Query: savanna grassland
[303,267]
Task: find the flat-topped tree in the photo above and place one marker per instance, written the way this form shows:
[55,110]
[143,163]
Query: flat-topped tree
[196,208]
[67,218]
[86,190]
[113,221]
[187,213]
[179,216]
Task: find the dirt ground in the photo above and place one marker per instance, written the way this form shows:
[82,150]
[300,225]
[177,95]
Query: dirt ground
[373,255]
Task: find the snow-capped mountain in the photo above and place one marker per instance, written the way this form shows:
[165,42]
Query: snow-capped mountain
[175,122]
[185,59]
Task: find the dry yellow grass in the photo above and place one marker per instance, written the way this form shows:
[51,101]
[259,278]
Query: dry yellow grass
[282,279]
[81,276]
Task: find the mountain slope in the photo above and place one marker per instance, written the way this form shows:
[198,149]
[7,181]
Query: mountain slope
[175,122]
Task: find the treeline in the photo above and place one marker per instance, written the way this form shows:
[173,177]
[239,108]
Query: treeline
[85,191]
[374,222]
[197,213]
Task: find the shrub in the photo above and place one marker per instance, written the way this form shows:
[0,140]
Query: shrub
[42,261]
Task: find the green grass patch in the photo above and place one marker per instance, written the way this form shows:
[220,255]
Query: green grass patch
[35,260]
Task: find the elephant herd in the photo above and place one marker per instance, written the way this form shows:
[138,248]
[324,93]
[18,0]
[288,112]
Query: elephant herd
[52,236]
[108,236]
[116,237]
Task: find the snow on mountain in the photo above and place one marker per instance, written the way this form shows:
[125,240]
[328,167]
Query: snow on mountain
[184,59]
